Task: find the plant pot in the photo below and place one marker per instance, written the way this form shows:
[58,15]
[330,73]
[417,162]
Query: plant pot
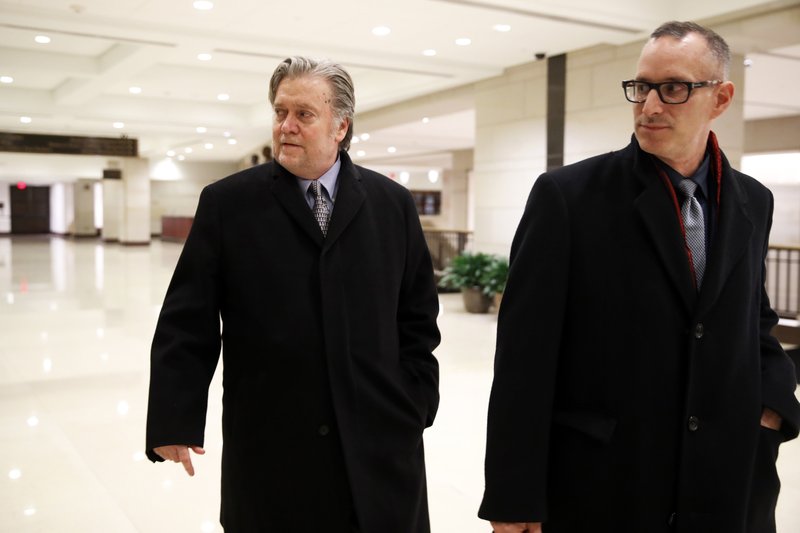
[498,297]
[474,300]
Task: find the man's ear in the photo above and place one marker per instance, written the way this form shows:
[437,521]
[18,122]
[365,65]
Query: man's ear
[724,97]
[342,130]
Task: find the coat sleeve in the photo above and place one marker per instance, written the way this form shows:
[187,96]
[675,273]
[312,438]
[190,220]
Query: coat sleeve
[778,378]
[186,343]
[529,331]
[418,308]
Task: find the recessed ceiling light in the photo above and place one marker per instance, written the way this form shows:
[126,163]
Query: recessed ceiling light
[501,27]
[203,5]
[201,129]
[205,56]
[42,39]
[170,153]
[404,177]
[748,62]
[381,31]
[425,120]
[208,146]
[223,97]
[361,153]
[188,150]
[25,120]
[6,79]
[463,41]
[430,52]
[135,90]
[355,140]
[119,125]
[391,149]
[433,176]
[232,141]
[181,157]
[364,136]
[226,134]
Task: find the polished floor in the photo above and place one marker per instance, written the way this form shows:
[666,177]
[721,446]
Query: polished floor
[76,319]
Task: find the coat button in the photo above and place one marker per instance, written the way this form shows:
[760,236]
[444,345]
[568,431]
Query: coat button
[671,519]
[323,430]
[698,331]
[693,424]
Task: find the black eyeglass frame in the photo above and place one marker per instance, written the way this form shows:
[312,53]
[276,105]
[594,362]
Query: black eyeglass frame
[690,85]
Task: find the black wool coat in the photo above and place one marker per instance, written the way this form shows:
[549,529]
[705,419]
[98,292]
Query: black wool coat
[329,377]
[623,400]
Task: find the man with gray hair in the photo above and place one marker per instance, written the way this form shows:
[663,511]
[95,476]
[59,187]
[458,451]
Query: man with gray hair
[637,386]
[321,276]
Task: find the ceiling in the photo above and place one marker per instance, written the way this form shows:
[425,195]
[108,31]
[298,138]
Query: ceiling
[80,82]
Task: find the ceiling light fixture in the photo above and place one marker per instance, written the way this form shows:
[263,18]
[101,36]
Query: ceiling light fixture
[364,136]
[503,28]
[203,5]
[361,153]
[119,125]
[232,141]
[425,120]
[391,149]
[201,129]
[42,39]
[170,153]
[25,120]
[188,150]
[223,97]
[204,56]
[433,176]
[226,134]
[463,41]
[135,90]
[381,31]
[430,52]
[208,146]
[6,79]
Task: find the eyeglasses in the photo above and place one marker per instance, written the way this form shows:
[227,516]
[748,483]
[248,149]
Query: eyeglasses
[670,92]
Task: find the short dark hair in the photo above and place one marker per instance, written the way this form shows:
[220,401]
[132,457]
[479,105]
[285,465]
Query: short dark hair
[716,44]
[344,99]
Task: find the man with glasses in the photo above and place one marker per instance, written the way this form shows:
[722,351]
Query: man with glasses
[637,387]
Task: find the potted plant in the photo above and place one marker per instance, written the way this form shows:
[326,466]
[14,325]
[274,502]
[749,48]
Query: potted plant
[467,272]
[494,279]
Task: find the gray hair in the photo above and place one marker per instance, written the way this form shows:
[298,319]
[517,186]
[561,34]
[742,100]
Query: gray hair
[716,44]
[344,101]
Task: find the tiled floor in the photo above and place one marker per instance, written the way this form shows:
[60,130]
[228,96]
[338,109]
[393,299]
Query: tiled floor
[76,319]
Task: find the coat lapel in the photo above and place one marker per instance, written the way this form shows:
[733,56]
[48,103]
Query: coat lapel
[733,235]
[660,220]
[349,199]
[284,187]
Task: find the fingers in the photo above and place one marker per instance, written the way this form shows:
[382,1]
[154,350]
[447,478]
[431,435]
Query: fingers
[179,454]
[185,459]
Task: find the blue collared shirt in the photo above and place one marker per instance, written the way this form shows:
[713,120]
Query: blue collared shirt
[329,181]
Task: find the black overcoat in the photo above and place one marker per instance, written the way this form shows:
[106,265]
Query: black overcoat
[623,400]
[329,377]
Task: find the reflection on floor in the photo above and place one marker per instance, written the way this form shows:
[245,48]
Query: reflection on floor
[76,319]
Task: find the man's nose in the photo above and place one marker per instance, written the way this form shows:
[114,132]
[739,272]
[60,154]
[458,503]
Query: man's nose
[652,104]
[289,124]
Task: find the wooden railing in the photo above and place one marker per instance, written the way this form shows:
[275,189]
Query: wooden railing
[444,245]
[783,279]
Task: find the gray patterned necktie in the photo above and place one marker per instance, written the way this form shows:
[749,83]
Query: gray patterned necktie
[321,212]
[695,227]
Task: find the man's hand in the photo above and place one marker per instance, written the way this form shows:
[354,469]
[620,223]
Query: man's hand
[179,453]
[770,419]
[517,527]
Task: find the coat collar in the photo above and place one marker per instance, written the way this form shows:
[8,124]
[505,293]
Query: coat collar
[349,198]
[656,209]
